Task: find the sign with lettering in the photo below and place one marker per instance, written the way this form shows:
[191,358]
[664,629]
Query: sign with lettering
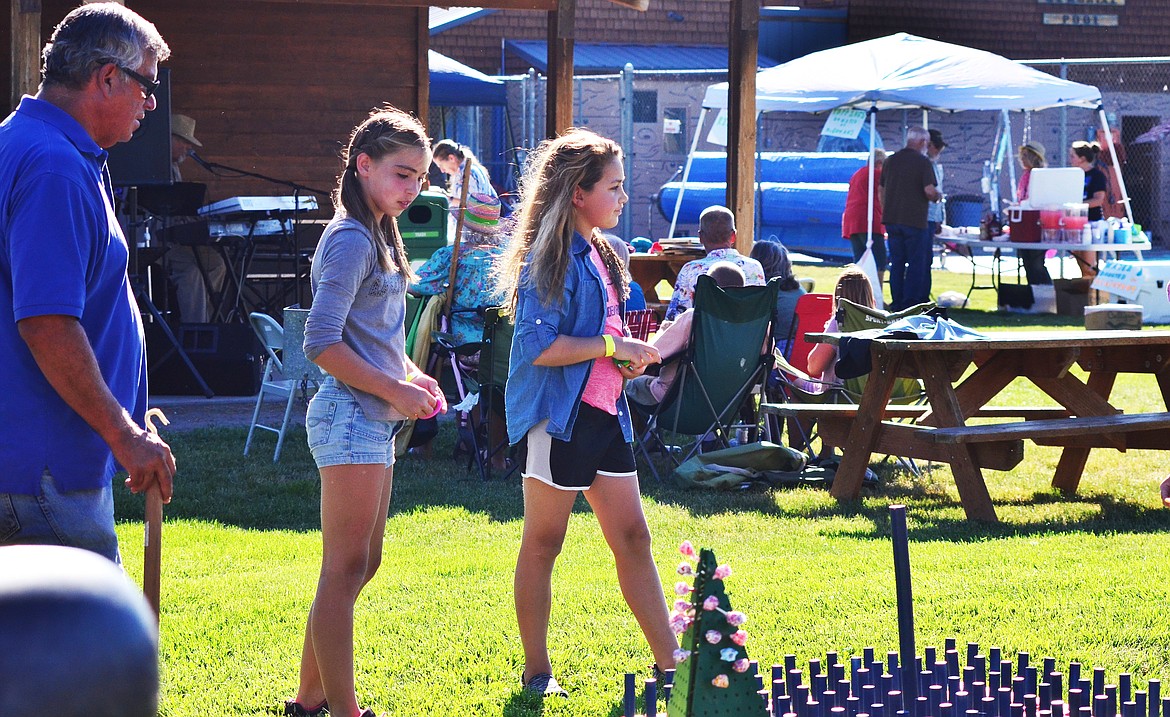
[844,122]
[1062,18]
[1121,278]
[718,133]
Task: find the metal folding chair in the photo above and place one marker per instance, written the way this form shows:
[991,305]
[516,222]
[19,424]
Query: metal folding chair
[287,373]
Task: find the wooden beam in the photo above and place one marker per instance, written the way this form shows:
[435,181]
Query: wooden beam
[26,49]
[422,74]
[544,5]
[743,51]
[561,27]
[639,5]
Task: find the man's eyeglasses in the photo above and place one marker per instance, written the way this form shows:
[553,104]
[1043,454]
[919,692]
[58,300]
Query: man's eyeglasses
[149,86]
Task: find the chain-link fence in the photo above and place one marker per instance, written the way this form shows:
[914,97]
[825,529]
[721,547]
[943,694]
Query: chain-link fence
[654,116]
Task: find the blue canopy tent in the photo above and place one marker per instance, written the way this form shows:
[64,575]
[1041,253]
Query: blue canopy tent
[454,84]
[459,92]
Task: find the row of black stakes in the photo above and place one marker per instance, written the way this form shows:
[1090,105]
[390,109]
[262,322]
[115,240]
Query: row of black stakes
[986,686]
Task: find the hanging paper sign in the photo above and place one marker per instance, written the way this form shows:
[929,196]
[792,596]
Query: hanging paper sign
[718,133]
[671,126]
[844,123]
[1120,278]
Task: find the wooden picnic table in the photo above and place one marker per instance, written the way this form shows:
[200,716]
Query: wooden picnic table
[942,433]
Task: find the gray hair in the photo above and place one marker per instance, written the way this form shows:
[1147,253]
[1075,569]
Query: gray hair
[917,134]
[93,35]
[716,225]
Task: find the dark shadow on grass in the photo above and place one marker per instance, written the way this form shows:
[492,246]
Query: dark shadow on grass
[522,704]
[933,514]
[217,483]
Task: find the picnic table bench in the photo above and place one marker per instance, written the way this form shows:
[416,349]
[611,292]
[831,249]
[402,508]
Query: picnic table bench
[1083,419]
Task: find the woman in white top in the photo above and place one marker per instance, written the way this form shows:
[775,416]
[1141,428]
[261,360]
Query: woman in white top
[450,156]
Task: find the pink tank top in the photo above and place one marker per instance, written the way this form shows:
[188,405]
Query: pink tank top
[605,381]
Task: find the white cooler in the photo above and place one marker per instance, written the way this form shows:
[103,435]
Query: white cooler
[1155,279]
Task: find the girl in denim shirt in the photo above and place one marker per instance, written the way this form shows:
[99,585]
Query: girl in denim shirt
[564,288]
[355,333]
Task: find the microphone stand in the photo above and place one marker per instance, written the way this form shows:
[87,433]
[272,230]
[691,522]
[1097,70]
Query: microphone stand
[218,169]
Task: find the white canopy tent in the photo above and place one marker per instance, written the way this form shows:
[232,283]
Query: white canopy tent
[903,71]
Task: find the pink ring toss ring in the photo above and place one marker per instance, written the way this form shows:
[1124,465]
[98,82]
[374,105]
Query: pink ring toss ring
[440,405]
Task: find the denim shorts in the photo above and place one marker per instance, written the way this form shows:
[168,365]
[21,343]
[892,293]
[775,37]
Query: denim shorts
[340,434]
[78,518]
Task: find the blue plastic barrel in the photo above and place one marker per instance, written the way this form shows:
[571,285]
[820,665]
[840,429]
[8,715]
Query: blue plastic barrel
[964,210]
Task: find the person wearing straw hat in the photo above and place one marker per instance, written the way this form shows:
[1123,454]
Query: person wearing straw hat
[183,142]
[1031,155]
[191,268]
[479,251]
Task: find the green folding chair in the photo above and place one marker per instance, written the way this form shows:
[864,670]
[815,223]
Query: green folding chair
[853,317]
[726,359]
[789,385]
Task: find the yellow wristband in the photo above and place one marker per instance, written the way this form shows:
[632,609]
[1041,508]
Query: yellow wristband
[609,345]
[410,377]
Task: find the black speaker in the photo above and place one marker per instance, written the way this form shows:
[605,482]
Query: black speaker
[227,356]
[146,158]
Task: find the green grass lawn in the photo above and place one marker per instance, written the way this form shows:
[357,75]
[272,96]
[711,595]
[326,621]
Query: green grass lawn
[1076,579]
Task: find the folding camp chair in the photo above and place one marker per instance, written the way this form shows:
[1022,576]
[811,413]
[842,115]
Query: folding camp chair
[790,384]
[641,323]
[811,314]
[724,361]
[853,317]
[491,379]
[422,317]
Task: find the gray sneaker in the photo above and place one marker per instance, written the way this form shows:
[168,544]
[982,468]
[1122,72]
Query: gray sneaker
[545,685]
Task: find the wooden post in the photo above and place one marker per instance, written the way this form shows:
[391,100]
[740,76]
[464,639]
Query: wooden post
[26,49]
[559,111]
[743,51]
[463,193]
[422,78]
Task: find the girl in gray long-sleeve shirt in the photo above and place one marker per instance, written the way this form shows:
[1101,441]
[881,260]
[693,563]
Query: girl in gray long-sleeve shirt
[355,333]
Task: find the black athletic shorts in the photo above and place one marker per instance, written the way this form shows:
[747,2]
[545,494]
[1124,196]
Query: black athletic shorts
[596,448]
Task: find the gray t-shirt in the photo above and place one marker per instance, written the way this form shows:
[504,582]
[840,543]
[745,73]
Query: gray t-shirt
[357,302]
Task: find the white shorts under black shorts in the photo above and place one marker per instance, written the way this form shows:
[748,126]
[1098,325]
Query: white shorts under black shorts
[596,448]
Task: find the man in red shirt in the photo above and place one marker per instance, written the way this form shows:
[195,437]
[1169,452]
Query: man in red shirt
[857,209]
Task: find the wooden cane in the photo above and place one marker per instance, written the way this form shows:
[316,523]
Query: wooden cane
[152,530]
[435,365]
[458,238]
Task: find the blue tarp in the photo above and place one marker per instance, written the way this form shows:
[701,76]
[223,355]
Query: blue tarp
[612,57]
[454,84]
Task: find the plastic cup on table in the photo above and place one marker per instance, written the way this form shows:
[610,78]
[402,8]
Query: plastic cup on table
[1050,218]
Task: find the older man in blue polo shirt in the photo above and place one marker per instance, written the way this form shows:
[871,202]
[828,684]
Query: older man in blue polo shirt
[74,372]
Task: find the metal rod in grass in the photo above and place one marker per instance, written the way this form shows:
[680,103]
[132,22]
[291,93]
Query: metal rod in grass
[905,604]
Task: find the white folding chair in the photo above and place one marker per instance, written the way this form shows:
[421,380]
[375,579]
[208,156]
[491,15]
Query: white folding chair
[280,379]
